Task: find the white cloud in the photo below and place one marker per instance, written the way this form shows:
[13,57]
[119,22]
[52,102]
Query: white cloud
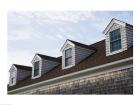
[22,57]
[64,16]
[51,27]
[60,36]
[20,34]
[71,16]
[26,25]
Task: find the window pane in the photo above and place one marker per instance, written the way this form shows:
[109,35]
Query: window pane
[68,61]
[68,53]
[116,45]
[115,40]
[115,35]
[36,68]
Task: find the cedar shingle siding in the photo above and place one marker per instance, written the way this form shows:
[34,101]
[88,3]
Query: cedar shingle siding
[118,82]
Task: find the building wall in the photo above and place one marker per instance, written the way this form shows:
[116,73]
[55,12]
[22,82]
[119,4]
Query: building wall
[112,81]
[47,65]
[117,82]
[114,78]
[81,53]
[21,74]
[129,35]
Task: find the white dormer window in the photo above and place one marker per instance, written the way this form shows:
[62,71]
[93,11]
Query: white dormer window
[13,75]
[12,78]
[68,57]
[42,64]
[36,68]
[115,40]
[118,36]
[18,73]
[12,81]
[74,52]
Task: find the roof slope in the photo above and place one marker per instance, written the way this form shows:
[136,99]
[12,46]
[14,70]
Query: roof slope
[49,58]
[82,45]
[97,58]
[23,67]
[118,22]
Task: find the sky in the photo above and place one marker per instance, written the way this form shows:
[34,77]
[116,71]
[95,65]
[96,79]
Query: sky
[45,32]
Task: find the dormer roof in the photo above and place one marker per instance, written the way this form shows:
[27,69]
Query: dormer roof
[45,57]
[75,43]
[117,22]
[49,58]
[22,67]
[82,45]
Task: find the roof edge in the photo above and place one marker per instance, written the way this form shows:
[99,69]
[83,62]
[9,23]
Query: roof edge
[114,20]
[85,70]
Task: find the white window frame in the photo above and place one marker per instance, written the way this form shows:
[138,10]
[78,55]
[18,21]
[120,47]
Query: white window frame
[72,59]
[13,74]
[111,42]
[63,49]
[14,80]
[40,66]
[121,25]
[66,58]
[119,50]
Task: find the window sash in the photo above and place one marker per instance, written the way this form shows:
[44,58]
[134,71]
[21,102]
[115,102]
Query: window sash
[115,35]
[68,57]
[68,61]
[115,40]
[68,53]
[36,68]
[116,45]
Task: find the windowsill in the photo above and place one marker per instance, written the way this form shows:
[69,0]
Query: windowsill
[115,52]
[12,84]
[68,66]
[34,77]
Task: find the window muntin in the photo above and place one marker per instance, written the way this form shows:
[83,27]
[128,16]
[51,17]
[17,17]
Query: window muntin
[68,57]
[36,68]
[115,40]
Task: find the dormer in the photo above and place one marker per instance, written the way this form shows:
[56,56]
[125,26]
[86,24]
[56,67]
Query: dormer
[42,64]
[18,72]
[74,52]
[119,36]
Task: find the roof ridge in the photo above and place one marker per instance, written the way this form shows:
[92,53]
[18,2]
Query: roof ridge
[21,65]
[121,21]
[56,59]
[76,41]
[82,45]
